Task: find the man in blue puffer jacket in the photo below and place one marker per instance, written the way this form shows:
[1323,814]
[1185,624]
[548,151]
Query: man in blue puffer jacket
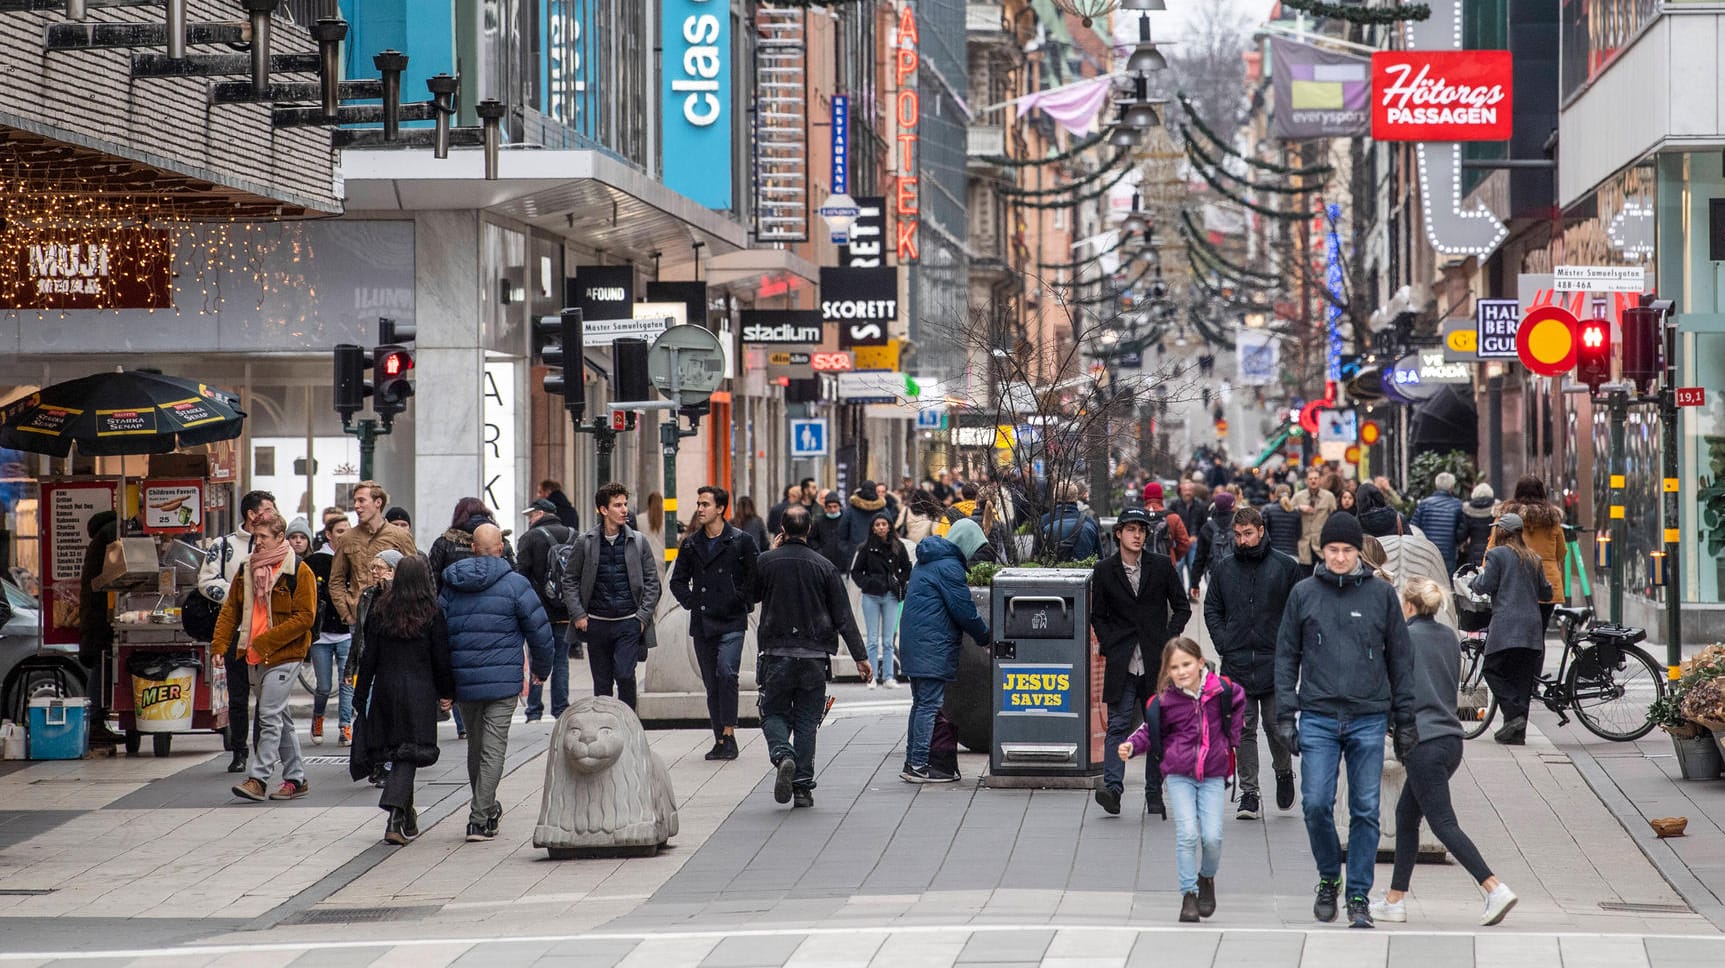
[490,609]
[937,607]
[1440,518]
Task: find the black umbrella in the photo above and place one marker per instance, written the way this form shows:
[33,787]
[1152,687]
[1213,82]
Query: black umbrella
[130,412]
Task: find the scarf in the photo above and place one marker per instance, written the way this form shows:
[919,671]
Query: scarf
[260,580]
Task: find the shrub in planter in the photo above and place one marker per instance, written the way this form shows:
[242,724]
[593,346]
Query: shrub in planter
[1704,703]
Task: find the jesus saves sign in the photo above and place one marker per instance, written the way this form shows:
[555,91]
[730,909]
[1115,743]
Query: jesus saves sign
[1460,95]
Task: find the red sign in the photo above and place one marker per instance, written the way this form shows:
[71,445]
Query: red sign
[840,362]
[1692,396]
[110,268]
[1370,432]
[66,510]
[619,420]
[1546,340]
[1351,455]
[907,193]
[1442,95]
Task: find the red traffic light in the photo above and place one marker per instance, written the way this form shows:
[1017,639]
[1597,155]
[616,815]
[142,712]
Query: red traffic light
[397,363]
[1593,352]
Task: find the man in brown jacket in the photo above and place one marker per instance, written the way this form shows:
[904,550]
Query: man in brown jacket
[350,573]
[1315,505]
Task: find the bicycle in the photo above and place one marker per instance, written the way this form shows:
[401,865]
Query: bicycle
[1608,681]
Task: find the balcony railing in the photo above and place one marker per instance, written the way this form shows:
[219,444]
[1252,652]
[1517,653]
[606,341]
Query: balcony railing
[983,140]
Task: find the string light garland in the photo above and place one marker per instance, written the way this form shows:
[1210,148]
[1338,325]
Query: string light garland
[1105,168]
[1082,263]
[1194,238]
[1079,199]
[1070,153]
[1315,171]
[1278,214]
[1367,16]
[1119,291]
[1196,154]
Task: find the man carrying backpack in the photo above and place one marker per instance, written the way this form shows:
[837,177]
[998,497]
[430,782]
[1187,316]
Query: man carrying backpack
[1167,529]
[1067,531]
[1137,604]
[535,556]
[1215,540]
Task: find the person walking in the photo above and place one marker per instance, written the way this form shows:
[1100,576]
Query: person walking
[826,532]
[1068,533]
[266,620]
[1477,516]
[215,579]
[1195,718]
[1193,510]
[351,572]
[1440,518]
[1343,670]
[881,570]
[921,516]
[405,675]
[865,502]
[749,522]
[1248,592]
[793,495]
[611,587]
[1542,530]
[1215,539]
[1180,540]
[1514,577]
[1137,604]
[937,610]
[714,579]
[1282,522]
[456,543]
[489,610]
[332,643]
[805,611]
[545,533]
[1377,518]
[1433,760]
[382,573]
[1315,504]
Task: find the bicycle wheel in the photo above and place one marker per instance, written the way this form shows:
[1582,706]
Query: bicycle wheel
[1475,705]
[307,678]
[1614,702]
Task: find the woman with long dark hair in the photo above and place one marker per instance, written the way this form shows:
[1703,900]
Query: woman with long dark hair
[404,677]
[749,522]
[1542,529]
[1515,579]
[456,543]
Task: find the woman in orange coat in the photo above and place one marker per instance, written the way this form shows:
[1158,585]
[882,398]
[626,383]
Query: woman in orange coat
[1542,529]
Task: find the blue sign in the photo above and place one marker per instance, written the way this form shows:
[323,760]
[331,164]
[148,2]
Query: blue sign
[841,145]
[695,107]
[930,419]
[570,96]
[1035,689]
[809,437]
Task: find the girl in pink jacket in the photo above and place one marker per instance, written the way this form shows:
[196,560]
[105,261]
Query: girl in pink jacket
[1191,729]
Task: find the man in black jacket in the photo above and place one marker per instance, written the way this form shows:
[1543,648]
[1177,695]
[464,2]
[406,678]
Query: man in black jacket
[1193,513]
[805,610]
[793,495]
[545,531]
[1242,611]
[714,579]
[1215,540]
[826,531]
[1137,605]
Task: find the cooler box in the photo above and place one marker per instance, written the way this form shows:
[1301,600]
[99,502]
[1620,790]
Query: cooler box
[59,728]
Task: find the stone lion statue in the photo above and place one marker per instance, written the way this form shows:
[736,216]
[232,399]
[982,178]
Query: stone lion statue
[606,793]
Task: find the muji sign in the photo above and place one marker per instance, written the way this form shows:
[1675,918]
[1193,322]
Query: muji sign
[1442,95]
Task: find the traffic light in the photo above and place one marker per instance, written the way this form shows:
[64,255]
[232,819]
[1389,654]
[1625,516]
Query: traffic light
[389,377]
[1642,342]
[351,386]
[390,332]
[630,359]
[563,349]
[1593,353]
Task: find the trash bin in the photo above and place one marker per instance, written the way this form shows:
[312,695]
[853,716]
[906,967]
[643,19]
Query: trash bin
[1046,680]
[164,685]
[58,728]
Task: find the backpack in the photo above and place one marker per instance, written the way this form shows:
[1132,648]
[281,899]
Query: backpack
[556,564]
[1084,534]
[1153,725]
[1160,540]
[198,612]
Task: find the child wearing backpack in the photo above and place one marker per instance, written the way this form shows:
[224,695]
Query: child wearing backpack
[1191,729]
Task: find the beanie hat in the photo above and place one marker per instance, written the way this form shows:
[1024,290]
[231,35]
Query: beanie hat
[967,535]
[1224,501]
[1153,491]
[390,557]
[397,513]
[1342,528]
[300,526]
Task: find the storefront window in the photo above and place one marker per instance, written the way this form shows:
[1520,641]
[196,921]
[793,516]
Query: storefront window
[1595,32]
[509,287]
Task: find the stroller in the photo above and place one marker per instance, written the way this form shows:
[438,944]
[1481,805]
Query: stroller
[1472,609]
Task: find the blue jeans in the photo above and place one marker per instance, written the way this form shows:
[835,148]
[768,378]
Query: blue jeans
[1326,744]
[1196,806]
[327,660]
[1123,714]
[926,697]
[559,677]
[880,623]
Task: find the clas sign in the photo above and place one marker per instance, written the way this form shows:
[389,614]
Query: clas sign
[1442,95]
[120,268]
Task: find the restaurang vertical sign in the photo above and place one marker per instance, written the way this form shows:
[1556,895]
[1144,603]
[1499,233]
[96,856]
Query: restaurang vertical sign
[107,268]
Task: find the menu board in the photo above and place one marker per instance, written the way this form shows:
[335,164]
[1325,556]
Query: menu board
[68,507]
[173,507]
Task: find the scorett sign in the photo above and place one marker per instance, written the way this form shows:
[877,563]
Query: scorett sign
[861,301]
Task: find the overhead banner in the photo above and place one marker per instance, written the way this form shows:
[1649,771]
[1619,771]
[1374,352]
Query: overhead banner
[1443,95]
[861,301]
[695,100]
[1259,356]
[107,268]
[693,295]
[1319,93]
[604,292]
[794,327]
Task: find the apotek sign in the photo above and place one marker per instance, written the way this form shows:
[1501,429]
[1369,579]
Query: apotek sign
[907,107]
[696,99]
[1447,95]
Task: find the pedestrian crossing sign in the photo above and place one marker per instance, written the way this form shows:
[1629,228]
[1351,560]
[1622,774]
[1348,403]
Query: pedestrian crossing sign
[809,437]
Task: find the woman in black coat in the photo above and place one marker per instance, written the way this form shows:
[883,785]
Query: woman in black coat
[1283,522]
[404,678]
[1376,516]
[881,570]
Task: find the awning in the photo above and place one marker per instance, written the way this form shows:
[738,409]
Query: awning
[761,268]
[608,203]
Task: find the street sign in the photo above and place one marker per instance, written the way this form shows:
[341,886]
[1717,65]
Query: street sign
[1546,341]
[876,386]
[1370,432]
[1692,396]
[1351,455]
[700,364]
[809,437]
[1496,321]
[1598,279]
[930,418]
[878,357]
[604,332]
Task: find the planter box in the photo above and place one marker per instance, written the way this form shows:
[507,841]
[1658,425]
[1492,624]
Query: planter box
[1698,758]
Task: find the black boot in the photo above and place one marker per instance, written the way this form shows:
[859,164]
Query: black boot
[410,823]
[238,765]
[1206,896]
[392,831]
[1189,908]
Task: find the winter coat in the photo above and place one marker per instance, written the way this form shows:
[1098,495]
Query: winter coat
[1282,523]
[756,529]
[1215,542]
[1124,620]
[1437,676]
[826,537]
[490,609]
[1312,525]
[1193,743]
[1440,517]
[293,609]
[534,560]
[350,573]
[719,592]
[1542,529]
[804,605]
[1180,540]
[404,678]
[1383,522]
[1475,536]
[882,567]
[328,620]
[1248,592]
[937,608]
[566,510]
[854,524]
[456,544]
[1192,512]
[1058,528]
[95,621]
[1516,589]
[1343,649]
[918,526]
[356,650]
[581,571]
[775,514]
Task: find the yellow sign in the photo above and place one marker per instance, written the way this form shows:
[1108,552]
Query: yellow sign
[1005,435]
[1617,482]
[1462,340]
[1673,536]
[877,357]
[1671,485]
[1617,512]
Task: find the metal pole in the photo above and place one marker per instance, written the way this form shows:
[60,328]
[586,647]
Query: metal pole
[1673,554]
[366,431]
[260,12]
[177,29]
[668,436]
[1619,406]
[604,440]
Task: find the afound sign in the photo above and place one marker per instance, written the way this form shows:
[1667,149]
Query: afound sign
[863,302]
[605,292]
[794,327]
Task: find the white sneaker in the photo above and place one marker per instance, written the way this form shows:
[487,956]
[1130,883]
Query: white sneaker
[872,683]
[892,683]
[1385,911]
[1497,904]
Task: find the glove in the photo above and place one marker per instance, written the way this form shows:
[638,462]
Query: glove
[1404,740]
[1289,734]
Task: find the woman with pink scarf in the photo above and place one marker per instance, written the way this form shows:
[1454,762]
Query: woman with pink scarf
[272,631]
